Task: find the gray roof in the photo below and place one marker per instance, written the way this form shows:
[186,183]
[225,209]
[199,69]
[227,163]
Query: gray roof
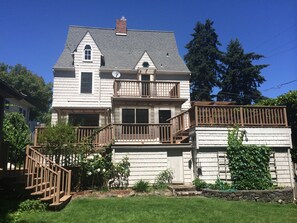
[123,52]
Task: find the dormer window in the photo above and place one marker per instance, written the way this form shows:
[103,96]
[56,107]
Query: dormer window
[88,52]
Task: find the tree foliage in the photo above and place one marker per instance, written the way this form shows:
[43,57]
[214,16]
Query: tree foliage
[16,135]
[240,78]
[202,60]
[248,164]
[38,92]
[290,101]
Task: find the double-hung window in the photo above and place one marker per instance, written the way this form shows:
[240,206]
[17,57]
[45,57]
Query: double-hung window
[86,84]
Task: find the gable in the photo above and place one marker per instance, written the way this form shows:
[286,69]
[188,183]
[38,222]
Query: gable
[145,58]
[79,52]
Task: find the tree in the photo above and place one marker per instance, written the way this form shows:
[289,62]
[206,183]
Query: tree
[15,135]
[240,79]
[202,60]
[290,101]
[38,92]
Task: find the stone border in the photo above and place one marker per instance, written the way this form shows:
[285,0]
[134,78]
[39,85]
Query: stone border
[281,196]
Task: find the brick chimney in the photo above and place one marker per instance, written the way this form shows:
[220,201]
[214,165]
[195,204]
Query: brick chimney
[121,27]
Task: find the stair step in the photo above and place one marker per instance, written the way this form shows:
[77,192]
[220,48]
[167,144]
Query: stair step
[38,185]
[188,193]
[43,191]
[63,201]
[50,197]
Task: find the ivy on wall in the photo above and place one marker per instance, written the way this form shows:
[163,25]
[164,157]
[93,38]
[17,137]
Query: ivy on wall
[248,164]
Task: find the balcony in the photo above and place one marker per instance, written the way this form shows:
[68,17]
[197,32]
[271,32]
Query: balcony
[146,89]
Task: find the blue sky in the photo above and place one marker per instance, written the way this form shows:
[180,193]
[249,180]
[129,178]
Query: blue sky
[33,32]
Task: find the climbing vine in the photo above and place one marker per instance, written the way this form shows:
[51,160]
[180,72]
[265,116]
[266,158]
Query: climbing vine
[248,164]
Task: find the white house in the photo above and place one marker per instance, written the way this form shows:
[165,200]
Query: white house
[135,83]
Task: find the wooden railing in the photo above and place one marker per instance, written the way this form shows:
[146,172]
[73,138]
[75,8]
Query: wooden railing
[99,137]
[156,89]
[245,116]
[230,115]
[46,177]
[142,133]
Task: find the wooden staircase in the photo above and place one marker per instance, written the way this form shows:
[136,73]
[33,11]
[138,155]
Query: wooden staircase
[47,180]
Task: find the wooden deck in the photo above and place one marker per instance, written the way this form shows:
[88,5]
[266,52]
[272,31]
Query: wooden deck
[196,116]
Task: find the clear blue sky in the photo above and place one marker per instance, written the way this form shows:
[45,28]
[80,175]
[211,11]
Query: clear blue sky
[33,32]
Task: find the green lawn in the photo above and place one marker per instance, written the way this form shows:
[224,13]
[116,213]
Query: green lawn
[166,209]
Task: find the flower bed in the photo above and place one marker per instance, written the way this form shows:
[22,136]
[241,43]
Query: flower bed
[279,195]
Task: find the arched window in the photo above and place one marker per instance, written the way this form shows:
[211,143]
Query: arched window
[88,52]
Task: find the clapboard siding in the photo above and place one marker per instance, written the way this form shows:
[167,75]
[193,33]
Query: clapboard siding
[145,164]
[145,58]
[217,137]
[208,161]
[188,168]
[66,88]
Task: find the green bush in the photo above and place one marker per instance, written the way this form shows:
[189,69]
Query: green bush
[141,186]
[16,135]
[219,185]
[26,206]
[248,164]
[163,179]
[199,184]
[32,205]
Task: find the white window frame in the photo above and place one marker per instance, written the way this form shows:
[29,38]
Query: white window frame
[92,82]
[87,50]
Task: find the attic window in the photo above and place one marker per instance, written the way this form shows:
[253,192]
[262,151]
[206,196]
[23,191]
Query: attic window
[145,64]
[88,52]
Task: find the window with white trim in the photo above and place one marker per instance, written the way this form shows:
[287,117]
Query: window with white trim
[88,53]
[86,83]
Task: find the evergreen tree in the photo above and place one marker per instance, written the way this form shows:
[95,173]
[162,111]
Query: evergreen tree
[202,60]
[240,79]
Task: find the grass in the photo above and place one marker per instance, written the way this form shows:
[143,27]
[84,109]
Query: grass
[166,209]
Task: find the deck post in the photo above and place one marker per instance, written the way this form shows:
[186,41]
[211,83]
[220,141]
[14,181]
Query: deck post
[285,116]
[69,183]
[196,115]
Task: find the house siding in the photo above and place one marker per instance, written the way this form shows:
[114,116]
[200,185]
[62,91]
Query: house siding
[145,58]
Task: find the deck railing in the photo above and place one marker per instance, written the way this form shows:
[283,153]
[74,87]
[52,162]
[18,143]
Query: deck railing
[46,177]
[99,137]
[230,115]
[142,133]
[156,89]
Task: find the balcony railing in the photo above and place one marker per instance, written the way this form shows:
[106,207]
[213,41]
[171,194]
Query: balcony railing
[155,89]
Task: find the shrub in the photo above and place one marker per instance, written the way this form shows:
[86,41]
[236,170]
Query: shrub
[199,184]
[26,206]
[15,136]
[141,186]
[219,185]
[248,164]
[163,179]
[32,205]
